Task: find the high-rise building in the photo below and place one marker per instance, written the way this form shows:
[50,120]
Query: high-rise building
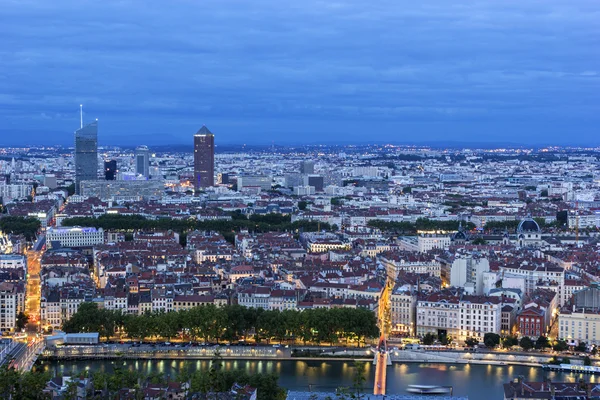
[307,167]
[86,154]
[142,161]
[314,180]
[110,170]
[204,158]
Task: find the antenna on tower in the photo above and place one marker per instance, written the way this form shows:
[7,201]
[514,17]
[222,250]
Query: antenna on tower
[81,116]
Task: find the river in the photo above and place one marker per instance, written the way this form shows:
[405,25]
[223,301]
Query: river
[474,381]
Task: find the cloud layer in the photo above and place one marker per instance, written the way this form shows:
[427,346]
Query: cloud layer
[307,71]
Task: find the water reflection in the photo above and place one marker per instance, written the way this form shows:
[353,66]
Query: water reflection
[475,381]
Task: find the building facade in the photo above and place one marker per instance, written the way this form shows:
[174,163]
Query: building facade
[110,170]
[74,237]
[204,158]
[142,161]
[86,154]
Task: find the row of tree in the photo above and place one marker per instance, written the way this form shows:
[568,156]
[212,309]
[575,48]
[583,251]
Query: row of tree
[256,223]
[26,226]
[230,323]
[421,224]
[492,340]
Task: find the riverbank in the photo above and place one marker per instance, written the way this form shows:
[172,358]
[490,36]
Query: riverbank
[151,352]
[321,375]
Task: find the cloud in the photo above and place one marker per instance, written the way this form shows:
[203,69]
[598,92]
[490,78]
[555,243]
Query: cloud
[167,67]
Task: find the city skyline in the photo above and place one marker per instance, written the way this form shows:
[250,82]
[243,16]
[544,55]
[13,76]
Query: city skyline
[404,72]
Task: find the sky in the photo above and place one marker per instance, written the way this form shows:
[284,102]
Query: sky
[309,71]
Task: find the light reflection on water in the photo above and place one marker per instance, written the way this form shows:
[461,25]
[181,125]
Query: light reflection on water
[475,381]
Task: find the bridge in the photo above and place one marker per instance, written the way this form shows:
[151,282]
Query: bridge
[382,359]
[20,355]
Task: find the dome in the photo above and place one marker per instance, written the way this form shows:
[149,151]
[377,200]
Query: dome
[528,225]
[461,235]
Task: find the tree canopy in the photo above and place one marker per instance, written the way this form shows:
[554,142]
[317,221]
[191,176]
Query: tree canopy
[256,223]
[230,323]
[26,226]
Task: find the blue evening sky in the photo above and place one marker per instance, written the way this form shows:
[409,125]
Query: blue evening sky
[301,71]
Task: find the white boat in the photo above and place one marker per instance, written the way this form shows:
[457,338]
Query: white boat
[429,389]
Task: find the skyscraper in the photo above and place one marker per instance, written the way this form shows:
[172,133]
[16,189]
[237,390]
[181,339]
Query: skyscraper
[204,158]
[142,161]
[110,170]
[307,167]
[86,154]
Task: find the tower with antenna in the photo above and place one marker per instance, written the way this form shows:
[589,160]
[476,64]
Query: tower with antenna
[86,152]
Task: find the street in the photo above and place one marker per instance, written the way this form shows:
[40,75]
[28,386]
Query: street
[33,291]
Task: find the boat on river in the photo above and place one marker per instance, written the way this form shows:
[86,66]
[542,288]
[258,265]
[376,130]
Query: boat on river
[429,389]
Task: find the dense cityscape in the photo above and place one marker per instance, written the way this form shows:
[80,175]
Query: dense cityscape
[299,200]
[381,254]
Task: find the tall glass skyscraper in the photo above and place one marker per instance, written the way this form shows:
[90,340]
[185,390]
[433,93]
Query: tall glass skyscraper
[142,161]
[86,154]
[204,158]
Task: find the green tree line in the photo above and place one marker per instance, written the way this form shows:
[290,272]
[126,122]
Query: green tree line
[22,385]
[230,323]
[26,226]
[256,223]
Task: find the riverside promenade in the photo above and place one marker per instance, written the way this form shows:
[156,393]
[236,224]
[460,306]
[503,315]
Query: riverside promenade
[129,351]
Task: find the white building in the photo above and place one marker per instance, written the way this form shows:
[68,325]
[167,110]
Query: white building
[14,192]
[403,309]
[12,302]
[438,314]
[459,317]
[75,236]
[579,325]
[534,275]
[479,315]
[13,261]
[430,242]
[468,272]
[262,181]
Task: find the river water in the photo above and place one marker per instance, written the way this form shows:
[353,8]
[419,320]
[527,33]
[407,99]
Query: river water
[474,381]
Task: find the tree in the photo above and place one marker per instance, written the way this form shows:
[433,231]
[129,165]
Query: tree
[544,193]
[587,360]
[302,205]
[22,320]
[471,342]
[22,385]
[428,339]
[445,340]
[526,343]
[479,241]
[510,341]
[542,343]
[358,381]
[491,339]
[560,345]
[581,347]
[25,226]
